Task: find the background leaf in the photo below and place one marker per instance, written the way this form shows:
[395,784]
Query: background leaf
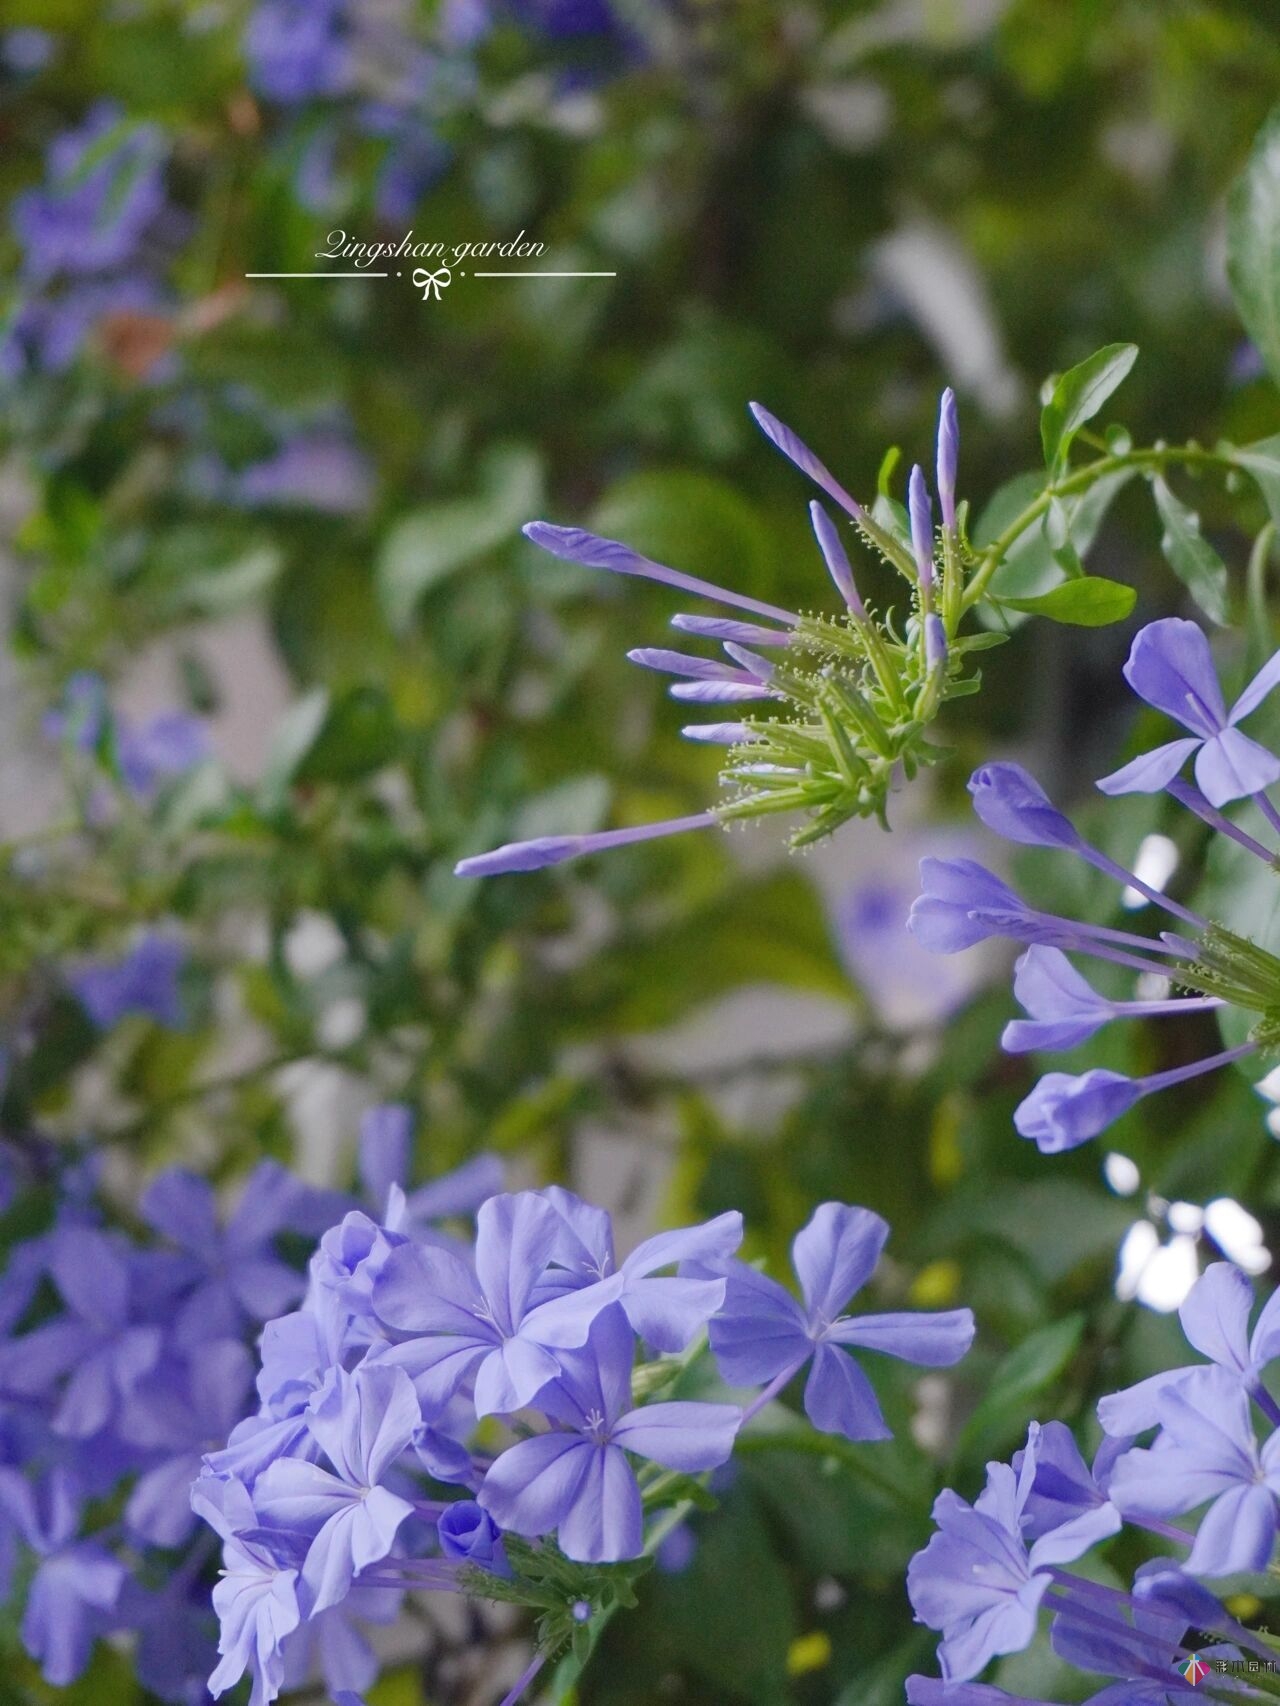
[1191,557]
[1078,396]
[1253,243]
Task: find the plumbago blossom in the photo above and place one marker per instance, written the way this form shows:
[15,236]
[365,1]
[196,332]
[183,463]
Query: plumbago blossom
[126,1360]
[94,238]
[503,1417]
[1202,1484]
[1171,668]
[851,694]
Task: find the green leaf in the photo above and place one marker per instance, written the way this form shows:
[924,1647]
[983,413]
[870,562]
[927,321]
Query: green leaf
[295,734]
[1016,1381]
[1029,567]
[1253,243]
[428,545]
[1078,396]
[1262,462]
[1089,603]
[1191,557]
[358,736]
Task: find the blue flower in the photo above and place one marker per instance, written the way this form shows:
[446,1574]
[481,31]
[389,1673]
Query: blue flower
[469,1535]
[299,50]
[1206,1453]
[978,1581]
[577,1479]
[1215,1319]
[77,1583]
[1171,668]
[104,190]
[229,1274]
[815,745]
[145,981]
[962,904]
[364,1423]
[256,1598]
[762,1335]
[473,1323]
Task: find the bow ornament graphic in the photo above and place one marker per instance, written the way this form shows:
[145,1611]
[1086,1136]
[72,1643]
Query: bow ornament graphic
[429,282]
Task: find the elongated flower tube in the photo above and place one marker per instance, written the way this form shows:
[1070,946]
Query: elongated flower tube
[835,709]
[1170,666]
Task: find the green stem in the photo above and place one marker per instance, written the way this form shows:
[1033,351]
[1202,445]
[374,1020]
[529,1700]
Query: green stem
[1157,457]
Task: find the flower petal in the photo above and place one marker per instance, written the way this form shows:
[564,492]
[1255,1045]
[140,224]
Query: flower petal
[838,1398]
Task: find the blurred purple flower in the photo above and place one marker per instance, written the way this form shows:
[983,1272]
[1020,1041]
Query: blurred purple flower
[145,981]
[103,190]
[317,471]
[77,1583]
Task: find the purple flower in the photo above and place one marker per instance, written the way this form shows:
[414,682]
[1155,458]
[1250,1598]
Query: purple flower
[335,1643]
[229,1274]
[77,1583]
[385,1149]
[577,1480]
[1065,1490]
[920,510]
[948,457]
[1215,1319]
[321,472]
[256,1598]
[145,981]
[99,199]
[1065,1010]
[97,1347]
[763,1335]
[556,849]
[577,546]
[962,904]
[168,745]
[1206,1454]
[1013,804]
[81,715]
[977,1581]
[1171,667]
[665,1310]
[836,557]
[364,1423]
[298,50]
[469,1535]
[469,1322]
[933,1691]
[796,450]
[1064,1111]
[194,1406]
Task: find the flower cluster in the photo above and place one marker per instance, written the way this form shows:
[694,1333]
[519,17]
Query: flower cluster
[352,70]
[93,239]
[855,694]
[996,1566]
[123,1361]
[145,756]
[1170,667]
[502,1417]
